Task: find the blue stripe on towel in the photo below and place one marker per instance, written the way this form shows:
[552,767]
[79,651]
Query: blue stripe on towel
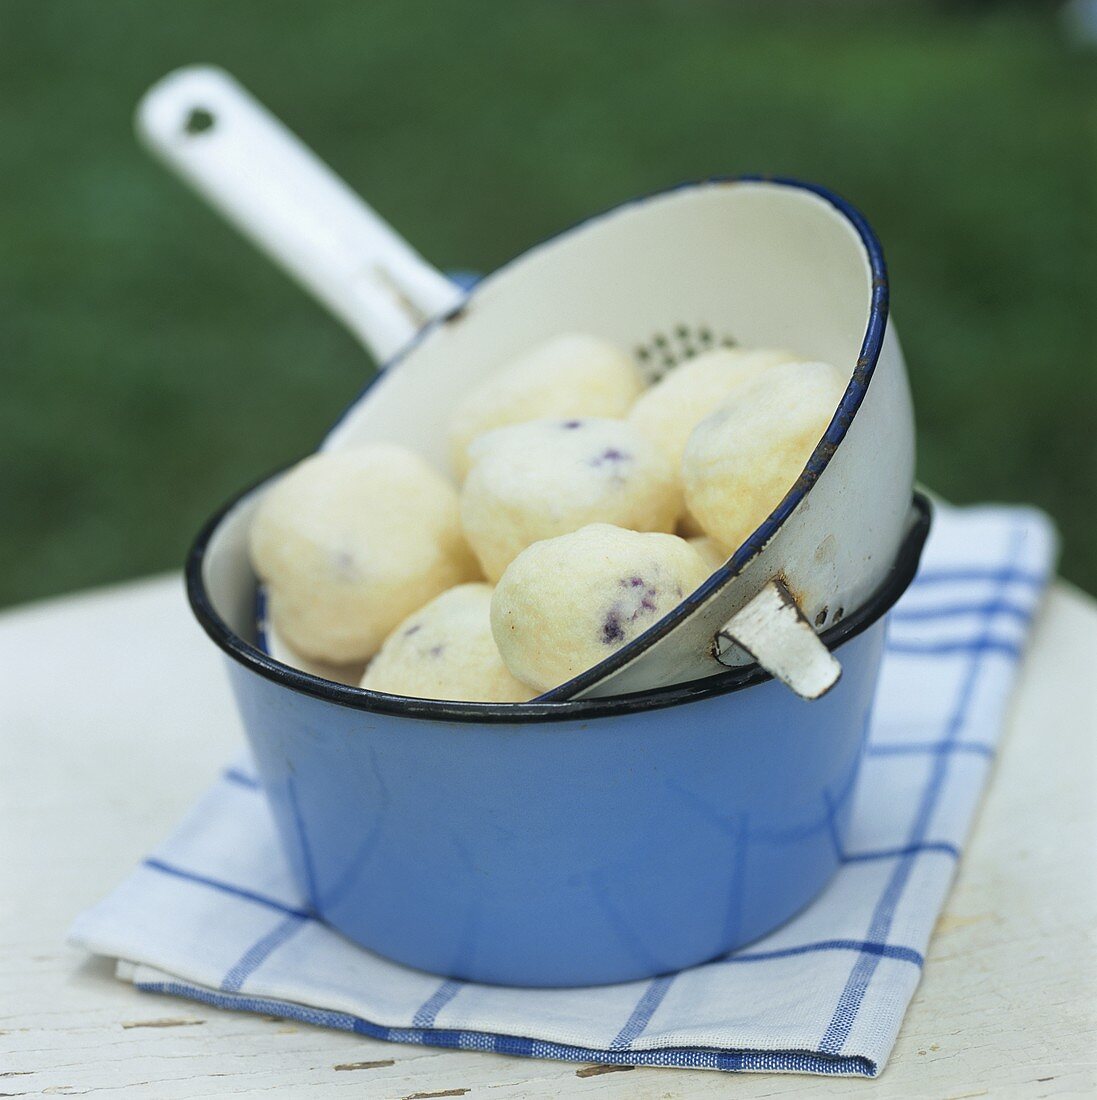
[959,610]
[977,646]
[1008,575]
[884,950]
[259,952]
[225,888]
[907,850]
[760,1061]
[428,1012]
[643,1012]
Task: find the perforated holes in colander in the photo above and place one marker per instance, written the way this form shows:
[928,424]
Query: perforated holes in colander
[667,349]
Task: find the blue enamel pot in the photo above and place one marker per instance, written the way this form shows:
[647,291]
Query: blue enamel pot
[551,844]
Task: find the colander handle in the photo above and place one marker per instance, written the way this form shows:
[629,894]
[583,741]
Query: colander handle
[264,180]
[774,631]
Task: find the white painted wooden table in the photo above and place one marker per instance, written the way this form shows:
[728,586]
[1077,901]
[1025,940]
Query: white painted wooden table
[114,715]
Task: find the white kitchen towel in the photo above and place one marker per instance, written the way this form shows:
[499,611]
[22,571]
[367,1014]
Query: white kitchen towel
[213,914]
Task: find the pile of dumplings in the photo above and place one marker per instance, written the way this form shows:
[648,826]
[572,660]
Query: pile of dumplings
[588,507]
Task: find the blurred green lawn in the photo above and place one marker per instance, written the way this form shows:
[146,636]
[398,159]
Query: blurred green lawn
[152,362]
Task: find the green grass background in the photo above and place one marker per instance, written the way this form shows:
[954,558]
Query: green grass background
[152,362]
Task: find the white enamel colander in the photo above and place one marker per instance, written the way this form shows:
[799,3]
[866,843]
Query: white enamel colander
[758,262]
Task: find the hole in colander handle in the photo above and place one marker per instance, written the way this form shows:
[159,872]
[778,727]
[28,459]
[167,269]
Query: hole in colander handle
[265,181]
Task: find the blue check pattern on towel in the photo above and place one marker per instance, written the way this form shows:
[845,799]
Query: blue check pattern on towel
[214,916]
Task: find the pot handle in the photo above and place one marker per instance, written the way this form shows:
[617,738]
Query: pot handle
[774,631]
[263,179]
